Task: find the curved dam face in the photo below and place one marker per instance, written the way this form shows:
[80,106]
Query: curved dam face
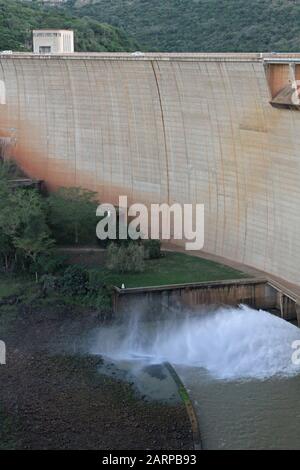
[187,128]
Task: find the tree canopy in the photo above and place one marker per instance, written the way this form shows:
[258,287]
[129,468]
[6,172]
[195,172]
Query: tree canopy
[201,25]
[24,234]
[19,18]
[74,209]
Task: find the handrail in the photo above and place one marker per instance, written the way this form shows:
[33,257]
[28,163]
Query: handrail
[283,290]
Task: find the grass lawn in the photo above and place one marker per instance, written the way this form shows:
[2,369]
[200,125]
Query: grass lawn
[173,268]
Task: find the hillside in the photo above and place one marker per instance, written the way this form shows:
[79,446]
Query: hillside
[202,25]
[18,19]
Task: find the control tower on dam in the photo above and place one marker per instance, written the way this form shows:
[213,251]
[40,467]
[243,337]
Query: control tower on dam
[218,129]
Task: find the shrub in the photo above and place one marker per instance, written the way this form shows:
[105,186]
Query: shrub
[51,263]
[48,283]
[72,215]
[103,299]
[74,281]
[152,249]
[95,282]
[126,259]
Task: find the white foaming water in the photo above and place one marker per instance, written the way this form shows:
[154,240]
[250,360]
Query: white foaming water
[230,343]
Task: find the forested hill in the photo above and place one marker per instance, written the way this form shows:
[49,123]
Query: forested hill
[18,19]
[203,25]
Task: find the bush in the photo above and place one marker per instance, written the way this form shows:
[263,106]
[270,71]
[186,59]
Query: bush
[152,249]
[86,286]
[72,215]
[51,263]
[74,281]
[95,282]
[126,259]
[48,283]
[103,299]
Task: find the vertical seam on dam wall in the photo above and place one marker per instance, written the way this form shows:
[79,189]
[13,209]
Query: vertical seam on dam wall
[46,112]
[71,85]
[65,76]
[93,118]
[2,146]
[218,158]
[228,86]
[18,114]
[181,107]
[164,127]
[264,157]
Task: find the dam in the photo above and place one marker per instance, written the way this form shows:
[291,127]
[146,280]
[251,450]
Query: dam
[222,130]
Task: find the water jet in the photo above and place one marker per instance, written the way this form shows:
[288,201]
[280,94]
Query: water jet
[236,364]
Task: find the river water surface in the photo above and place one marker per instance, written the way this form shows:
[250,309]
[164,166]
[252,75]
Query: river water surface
[235,362]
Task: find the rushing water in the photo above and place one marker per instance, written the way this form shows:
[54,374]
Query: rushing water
[236,363]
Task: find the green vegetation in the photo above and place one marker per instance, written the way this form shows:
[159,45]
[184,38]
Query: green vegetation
[24,234]
[18,19]
[8,425]
[202,25]
[172,25]
[10,285]
[126,259]
[82,286]
[32,225]
[69,207]
[172,268]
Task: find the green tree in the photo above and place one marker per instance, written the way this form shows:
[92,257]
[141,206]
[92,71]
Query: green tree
[8,218]
[19,18]
[201,25]
[34,241]
[6,250]
[23,229]
[73,214]
[74,281]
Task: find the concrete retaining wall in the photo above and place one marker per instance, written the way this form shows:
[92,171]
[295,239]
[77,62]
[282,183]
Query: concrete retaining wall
[158,300]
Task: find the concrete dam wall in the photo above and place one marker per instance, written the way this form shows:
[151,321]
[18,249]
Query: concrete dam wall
[188,128]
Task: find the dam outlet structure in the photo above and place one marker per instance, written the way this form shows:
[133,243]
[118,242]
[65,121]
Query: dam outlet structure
[221,130]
